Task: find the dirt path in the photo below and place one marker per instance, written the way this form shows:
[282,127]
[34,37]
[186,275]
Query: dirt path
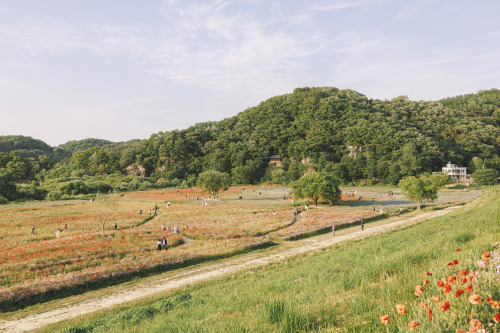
[74,306]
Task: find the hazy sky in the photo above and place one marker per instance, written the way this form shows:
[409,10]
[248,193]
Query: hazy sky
[125,69]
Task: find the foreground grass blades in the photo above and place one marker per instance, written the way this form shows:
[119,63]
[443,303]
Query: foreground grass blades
[343,289]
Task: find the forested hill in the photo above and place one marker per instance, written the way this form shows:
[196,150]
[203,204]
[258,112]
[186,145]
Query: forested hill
[74,146]
[328,129]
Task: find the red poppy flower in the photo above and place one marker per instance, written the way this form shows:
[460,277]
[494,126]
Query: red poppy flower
[447,288]
[445,305]
[384,319]
[469,288]
[494,304]
[413,324]
[428,313]
[427,273]
[457,250]
[475,324]
[425,282]
[463,272]
[486,254]
[496,318]
[459,292]
[436,299]
[440,283]
[452,279]
[455,262]
[418,290]
[400,308]
[475,299]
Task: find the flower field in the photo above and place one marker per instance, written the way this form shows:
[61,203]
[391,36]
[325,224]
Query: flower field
[320,218]
[465,299]
[34,263]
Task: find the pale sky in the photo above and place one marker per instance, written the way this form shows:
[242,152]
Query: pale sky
[123,69]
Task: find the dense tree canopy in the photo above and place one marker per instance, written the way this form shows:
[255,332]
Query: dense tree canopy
[418,189]
[213,181]
[324,129]
[315,186]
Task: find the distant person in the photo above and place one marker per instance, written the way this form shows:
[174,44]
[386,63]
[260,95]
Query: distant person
[140,212]
[116,226]
[159,244]
[164,243]
[168,204]
[274,212]
[65,226]
[163,226]
[33,229]
[295,209]
[333,229]
[58,233]
[149,211]
[400,210]
[175,229]
[362,225]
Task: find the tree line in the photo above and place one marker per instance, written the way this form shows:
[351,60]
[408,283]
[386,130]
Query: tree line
[341,132]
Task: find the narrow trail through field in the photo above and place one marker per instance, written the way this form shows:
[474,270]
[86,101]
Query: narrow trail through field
[52,312]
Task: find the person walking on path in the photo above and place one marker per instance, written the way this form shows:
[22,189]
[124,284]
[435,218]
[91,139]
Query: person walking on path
[164,243]
[362,225]
[333,229]
[58,233]
[159,244]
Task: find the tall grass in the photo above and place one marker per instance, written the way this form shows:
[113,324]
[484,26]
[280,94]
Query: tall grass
[342,289]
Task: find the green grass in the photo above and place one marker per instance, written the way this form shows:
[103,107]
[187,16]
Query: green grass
[342,289]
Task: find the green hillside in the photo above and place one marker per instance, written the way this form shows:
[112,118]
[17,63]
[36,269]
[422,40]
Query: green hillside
[357,139]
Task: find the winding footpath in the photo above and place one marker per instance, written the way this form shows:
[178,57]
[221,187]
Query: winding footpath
[78,305]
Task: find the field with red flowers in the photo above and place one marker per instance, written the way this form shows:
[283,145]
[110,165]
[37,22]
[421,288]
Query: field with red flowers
[38,262]
[442,275]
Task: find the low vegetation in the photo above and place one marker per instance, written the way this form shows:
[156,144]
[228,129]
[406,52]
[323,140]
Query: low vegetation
[343,289]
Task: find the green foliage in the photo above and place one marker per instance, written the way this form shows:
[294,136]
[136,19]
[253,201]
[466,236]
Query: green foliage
[440,179]
[317,185]
[418,189]
[214,181]
[485,176]
[85,144]
[7,186]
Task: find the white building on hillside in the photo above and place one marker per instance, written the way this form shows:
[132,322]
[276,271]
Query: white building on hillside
[455,172]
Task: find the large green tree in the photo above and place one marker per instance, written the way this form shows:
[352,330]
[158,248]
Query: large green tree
[213,181]
[418,189]
[7,185]
[485,176]
[316,185]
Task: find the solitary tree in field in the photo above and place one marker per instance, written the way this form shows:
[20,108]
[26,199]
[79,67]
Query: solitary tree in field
[106,204]
[213,181]
[317,185]
[418,189]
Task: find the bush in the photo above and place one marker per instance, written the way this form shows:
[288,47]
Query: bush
[3,201]
[53,196]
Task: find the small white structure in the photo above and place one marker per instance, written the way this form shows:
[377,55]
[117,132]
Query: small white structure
[455,172]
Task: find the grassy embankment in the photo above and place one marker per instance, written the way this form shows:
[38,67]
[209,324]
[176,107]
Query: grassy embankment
[345,288]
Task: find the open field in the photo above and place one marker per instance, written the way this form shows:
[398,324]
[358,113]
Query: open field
[339,289]
[42,266]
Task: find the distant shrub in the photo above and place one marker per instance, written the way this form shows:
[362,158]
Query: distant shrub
[3,200]
[53,196]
